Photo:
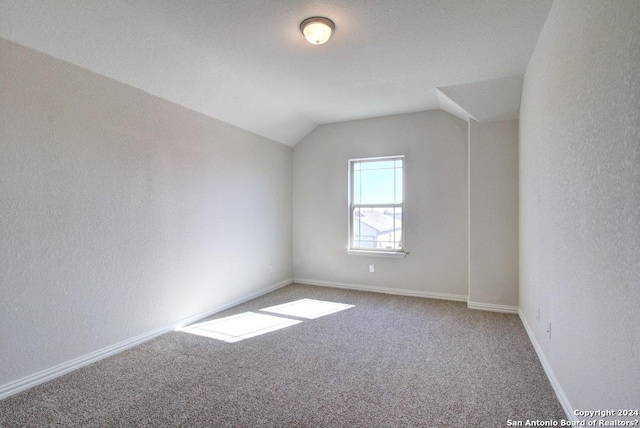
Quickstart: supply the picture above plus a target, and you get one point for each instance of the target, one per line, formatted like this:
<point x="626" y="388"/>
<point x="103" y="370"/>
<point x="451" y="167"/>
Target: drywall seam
<point x="64" y="368"/>
<point x="492" y="307"/>
<point x="374" y="289"/>
<point x="562" y="397"/>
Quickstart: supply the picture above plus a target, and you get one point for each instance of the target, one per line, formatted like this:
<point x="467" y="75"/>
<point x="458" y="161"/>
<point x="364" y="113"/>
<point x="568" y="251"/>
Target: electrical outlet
<point x="372" y="268"/>
<point x="538" y="313"/>
<point x="549" y="329"/>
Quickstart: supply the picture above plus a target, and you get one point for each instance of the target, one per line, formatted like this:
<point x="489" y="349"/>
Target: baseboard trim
<point x="562" y="397"/>
<point x="375" y="289"/>
<point x="30" y="381"/>
<point x="492" y="307"/>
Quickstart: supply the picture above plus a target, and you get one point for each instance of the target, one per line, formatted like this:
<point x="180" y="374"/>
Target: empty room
<point x="301" y="213"/>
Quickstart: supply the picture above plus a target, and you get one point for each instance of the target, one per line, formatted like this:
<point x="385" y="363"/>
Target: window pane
<point x="356" y="186"/>
<point x="381" y="164"/>
<point x="398" y="194"/>
<point x="377" y="182"/>
<point x="377" y="186"/>
<point x="377" y="228"/>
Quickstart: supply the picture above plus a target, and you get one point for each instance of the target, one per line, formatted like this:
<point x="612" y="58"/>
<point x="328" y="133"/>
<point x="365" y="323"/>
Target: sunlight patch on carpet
<point x="308" y="308"/>
<point x="238" y="327"/>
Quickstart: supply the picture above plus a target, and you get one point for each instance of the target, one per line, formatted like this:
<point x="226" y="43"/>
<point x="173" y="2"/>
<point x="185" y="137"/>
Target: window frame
<point x="351" y="206"/>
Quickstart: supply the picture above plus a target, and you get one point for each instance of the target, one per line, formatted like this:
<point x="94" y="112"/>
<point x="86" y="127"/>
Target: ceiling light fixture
<point x="317" y="29"/>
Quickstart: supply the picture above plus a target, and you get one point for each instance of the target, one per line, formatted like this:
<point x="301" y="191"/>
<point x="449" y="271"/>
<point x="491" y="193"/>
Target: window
<point x="376" y="201"/>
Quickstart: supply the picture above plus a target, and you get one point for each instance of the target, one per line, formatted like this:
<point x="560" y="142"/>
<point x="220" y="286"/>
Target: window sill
<point x="388" y="254"/>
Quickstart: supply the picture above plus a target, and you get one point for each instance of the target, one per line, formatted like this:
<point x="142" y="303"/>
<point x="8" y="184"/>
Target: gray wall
<point x="123" y="213"/>
<point x="580" y="200"/>
<point x="493" y="213"/>
<point x="435" y="146"/>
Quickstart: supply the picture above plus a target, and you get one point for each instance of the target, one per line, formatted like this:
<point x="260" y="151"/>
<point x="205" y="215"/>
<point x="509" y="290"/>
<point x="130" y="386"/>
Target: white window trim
<point x="396" y="254"/>
<point x="400" y="254"/>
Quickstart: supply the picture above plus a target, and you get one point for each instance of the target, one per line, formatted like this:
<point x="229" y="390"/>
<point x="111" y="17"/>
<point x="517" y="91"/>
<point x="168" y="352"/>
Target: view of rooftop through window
<point x="376" y="203"/>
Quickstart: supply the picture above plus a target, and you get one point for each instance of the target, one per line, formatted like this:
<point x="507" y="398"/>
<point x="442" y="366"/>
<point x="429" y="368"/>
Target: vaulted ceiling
<point x="245" y="62"/>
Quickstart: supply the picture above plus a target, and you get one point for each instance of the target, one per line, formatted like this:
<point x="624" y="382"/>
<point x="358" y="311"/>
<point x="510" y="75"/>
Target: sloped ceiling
<point x="245" y="62"/>
<point x="489" y="100"/>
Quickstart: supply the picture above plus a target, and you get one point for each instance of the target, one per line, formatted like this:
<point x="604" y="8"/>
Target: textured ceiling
<point x="496" y="99"/>
<point x="245" y="61"/>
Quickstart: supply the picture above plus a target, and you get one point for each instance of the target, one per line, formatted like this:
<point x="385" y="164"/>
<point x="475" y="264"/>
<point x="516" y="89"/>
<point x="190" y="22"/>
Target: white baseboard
<point x="372" y="288"/>
<point x="562" y="398"/>
<point x="492" y="307"/>
<point x="69" y="366"/>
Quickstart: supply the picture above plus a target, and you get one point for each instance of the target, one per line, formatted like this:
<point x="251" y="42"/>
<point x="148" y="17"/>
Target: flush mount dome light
<point x="317" y="29"/>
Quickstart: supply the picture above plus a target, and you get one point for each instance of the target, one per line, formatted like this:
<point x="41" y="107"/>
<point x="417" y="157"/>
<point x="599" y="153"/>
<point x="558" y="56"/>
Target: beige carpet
<point x="389" y="361"/>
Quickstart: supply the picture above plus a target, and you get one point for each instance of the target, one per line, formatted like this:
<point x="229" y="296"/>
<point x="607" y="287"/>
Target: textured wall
<point x="435" y="146"/>
<point x="122" y="213"/>
<point x="493" y="212"/>
<point x="580" y="200"/>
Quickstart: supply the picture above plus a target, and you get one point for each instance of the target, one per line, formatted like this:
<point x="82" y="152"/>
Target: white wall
<point x="580" y="200"/>
<point x="435" y="146"/>
<point x="122" y="213"/>
<point x="493" y="214"/>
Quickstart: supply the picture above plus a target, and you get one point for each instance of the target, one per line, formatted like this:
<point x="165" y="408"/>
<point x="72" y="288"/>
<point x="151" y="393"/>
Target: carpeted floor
<point x="390" y="361"/>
